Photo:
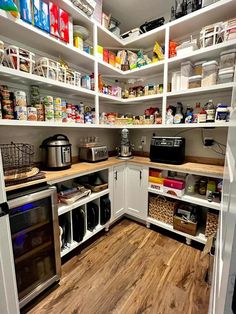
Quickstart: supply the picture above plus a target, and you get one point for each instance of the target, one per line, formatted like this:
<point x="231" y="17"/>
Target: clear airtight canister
<point x="209" y="73"/>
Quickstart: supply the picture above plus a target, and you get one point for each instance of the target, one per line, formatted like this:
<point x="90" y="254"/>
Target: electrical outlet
<point x="208" y="141"/>
<point x="144" y="140"/>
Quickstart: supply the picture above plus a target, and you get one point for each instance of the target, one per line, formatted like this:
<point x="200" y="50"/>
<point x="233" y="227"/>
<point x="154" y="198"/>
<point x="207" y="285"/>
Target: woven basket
<point x="211" y="224"/>
<point x="162" y="209"/>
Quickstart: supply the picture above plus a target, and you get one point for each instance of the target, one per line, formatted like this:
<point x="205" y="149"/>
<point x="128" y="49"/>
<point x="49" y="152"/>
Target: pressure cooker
<point x="56" y="152"/>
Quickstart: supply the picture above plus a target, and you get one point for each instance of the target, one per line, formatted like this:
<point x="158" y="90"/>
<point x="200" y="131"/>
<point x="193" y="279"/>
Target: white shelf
<point x="148" y="70"/>
<point x="202" y="54"/>
<point x="14" y="76"/>
<point x="87" y="236"/>
<point x="196" y="199"/>
<point x="200" y="237"/>
<point x="31" y="36"/>
<point x="113" y="99"/>
<point x="46" y="124"/>
<point x="63" y="208"/>
<point x="201" y="90"/>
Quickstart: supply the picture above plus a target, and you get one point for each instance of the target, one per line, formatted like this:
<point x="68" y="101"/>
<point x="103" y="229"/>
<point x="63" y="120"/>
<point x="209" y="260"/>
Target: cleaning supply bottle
<point x="202" y="116"/>
<point x="178" y="118"/>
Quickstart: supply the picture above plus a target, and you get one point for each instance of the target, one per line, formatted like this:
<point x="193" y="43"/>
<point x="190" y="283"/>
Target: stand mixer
<point x="125" y="149"/>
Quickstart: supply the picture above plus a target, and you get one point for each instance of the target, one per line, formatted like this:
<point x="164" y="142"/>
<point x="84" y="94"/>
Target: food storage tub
<point x="20" y="59"/>
<point x="209" y="73"/>
<point x="198" y="67"/>
<point x="194" y="81"/>
<point x="73" y="77"/>
<point x="186" y="72"/>
<point x="227" y="59"/>
<point x="186" y="48"/>
<point x="175" y="81"/>
<point x="225" y="76"/>
<point x="49" y="68"/>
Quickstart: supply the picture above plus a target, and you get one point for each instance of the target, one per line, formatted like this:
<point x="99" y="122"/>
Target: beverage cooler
<point x="35" y="240"/>
<point x="29" y="244"/>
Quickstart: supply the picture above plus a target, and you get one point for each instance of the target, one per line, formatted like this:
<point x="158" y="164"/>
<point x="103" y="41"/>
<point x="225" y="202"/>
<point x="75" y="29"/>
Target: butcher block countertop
<point x="81" y="168"/>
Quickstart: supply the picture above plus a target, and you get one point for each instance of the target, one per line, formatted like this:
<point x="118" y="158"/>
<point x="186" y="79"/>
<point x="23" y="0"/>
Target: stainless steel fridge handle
<point x="4" y="209"/>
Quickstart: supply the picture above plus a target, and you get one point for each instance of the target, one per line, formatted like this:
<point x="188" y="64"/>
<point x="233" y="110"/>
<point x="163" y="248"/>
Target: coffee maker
<point x="125" y="149"/>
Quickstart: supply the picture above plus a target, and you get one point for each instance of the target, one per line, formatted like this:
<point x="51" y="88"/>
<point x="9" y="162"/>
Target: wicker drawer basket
<point x="211" y="224"/>
<point x="162" y="209"/>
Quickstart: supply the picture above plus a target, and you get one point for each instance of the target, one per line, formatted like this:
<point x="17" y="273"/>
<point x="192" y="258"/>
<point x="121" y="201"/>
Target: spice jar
<point x="202" y="189"/>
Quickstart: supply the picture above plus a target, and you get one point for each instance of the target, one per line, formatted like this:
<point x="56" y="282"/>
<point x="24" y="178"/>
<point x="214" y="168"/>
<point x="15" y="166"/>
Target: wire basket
<point x="17" y="158"/>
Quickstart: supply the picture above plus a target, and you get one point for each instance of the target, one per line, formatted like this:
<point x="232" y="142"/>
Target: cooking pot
<point x="57" y="152"/>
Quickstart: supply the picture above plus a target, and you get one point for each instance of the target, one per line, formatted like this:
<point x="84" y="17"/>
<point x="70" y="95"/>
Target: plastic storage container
<point x="175" y="81"/>
<point x="49" y="68"/>
<point x="20" y="59"/>
<point x="194" y="81"/>
<point x="209" y="73"/>
<point x="227" y="59"/>
<point x="186" y="72"/>
<point x="198" y="67"/>
<point x="225" y="76"/>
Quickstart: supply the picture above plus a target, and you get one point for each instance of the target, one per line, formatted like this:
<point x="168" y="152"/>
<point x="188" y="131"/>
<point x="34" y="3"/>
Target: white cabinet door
<point x="137" y="191"/>
<point x="119" y="190"/>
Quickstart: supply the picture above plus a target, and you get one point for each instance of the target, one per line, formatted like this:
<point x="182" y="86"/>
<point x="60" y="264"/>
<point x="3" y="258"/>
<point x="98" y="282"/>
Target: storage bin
<point x="225" y="76"/>
<point x="49" y="68"/>
<point x="227" y="59"/>
<point x="211" y="35"/>
<point x="229" y="30"/>
<point x="20" y="59"/>
<point x="173" y="191"/>
<point x="162" y="209"/>
<point x="209" y="73"/>
<point x="186" y="48"/>
<point x="194" y="81"/>
<point x="211" y="224"/>
<point x="185" y="226"/>
<point x="175" y="81"/>
<point x="73" y="77"/>
<point x="186" y="72"/>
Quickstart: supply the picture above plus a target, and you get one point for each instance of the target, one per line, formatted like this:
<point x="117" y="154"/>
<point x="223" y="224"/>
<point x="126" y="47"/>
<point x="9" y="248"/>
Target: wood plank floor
<point x="129" y="270"/>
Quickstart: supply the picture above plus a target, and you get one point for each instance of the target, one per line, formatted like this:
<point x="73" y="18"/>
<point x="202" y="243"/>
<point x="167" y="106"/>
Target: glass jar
<point x="202" y="189"/>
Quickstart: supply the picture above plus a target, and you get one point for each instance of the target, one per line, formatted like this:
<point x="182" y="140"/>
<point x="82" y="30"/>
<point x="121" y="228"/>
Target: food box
<point x="36" y="10"/>
<point x="64" y="25"/>
<point x="156" y="186"/>
<point x="182" y="225"/>
<point x="112" y="58"/>
<point x="54" y="19"/>
<point x="105" y="55"/>
<point x="173" y="191"/>
<point x="25" y="11"/>
<point x="173" y="183"/>
<point x="44" y="16"/>
<point x="100" y="52"/>
<point x="156" y="180"/>
<point x="155" y="173"/>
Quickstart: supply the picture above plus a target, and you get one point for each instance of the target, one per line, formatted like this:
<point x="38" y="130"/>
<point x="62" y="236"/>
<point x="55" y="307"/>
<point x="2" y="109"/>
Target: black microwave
<point x="168" y="150"/>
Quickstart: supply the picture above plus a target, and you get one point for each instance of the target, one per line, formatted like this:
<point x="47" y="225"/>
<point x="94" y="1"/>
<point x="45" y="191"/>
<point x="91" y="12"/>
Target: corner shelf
<point x="200" y="237"/>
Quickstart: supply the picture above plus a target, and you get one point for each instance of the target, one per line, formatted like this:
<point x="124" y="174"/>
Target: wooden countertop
<point x="81" y="168"/>
<point x="188" y="167"/>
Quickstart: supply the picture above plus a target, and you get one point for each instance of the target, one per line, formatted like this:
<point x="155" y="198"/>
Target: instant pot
<point x="57" y="152"/>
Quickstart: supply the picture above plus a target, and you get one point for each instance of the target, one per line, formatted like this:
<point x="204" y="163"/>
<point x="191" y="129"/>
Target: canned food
<point x="40" y="112"/>
<point x="21" y="113"/>
<point x="48" y="101"/>
<point x="58" y="116"/>
<point x="49" y="113"/>
<point x="20" y="98"/>
<point x="7" y="110"/>
<point x="32" y="114"/>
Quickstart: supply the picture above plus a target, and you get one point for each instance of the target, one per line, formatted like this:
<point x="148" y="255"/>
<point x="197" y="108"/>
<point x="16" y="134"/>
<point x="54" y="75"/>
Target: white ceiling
<point x="133" y="13"/>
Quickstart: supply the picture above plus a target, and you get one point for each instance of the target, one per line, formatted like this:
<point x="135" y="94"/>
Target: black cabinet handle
<point x="140" y="175"/>
<point x="116" y="175"/>
<point x="4" y="209"/>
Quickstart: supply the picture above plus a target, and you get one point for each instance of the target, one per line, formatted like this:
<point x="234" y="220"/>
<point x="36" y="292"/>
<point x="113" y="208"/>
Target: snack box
<point x="173" y="191"/>
<point x="54" y="19"/>
<point x="37" y="15"/>
<point x="156" y="180"/>
<point x="155" y="173"/>
<point x="156" y="183"/>
<point x="173" y="183"/>
<point x="25" y="11"/>
<point x="64" y="25"/>
<point x="100" y="52"/>
<point x="44" y="16"/>
<point x="105" y="55"/>
<point x="112" y="58"/>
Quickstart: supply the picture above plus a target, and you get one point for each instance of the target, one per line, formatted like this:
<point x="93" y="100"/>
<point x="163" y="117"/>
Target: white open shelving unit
<point x="22" y="32"/>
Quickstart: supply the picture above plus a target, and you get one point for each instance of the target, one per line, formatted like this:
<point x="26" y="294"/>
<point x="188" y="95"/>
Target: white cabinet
<point x="119" y="190"/>
<point x="137" y="191"/>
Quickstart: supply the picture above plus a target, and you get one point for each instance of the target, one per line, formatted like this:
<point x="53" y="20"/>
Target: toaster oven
<point x="168" y="150"/>
<point x="93" y="154"/>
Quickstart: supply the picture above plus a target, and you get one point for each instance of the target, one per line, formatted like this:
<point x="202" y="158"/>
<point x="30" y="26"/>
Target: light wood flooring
<point x="131" y="269"/>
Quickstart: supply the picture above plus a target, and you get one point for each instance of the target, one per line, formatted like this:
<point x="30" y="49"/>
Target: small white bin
<point x="209" y="73"/>
<point x="20" y="59"/>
